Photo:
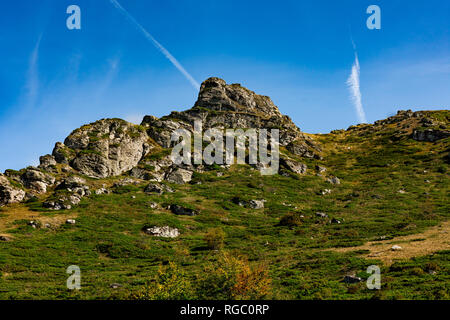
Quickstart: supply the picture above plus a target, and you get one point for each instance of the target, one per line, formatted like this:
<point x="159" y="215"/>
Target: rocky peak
<point x="216" y="95"/>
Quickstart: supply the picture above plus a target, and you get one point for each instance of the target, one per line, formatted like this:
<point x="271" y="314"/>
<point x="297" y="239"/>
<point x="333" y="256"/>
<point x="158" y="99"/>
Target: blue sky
<point x="52" y="80"/>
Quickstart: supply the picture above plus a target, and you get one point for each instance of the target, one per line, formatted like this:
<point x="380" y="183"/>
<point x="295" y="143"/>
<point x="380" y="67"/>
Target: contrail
<point x="163" y="50"/>
<point x="353" y="84"/>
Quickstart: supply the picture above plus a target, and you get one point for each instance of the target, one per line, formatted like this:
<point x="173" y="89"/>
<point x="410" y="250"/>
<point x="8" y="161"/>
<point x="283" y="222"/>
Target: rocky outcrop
<point x="105" y="148"/>
<point x="224" y="106"/>
<point x="430" y="135"/>
<point x="8" y="193"/>
<point x="36" y="180"/>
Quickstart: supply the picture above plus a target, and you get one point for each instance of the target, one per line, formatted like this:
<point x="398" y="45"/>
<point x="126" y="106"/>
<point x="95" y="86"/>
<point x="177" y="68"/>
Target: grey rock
<point x="102" y="191"/>
<point x="108" y="147"/>
<point x="352" y="279"/>
<point x="72" y="182"/>
<point x="5" y="238"/>
<point x="164" y="232"/>
<point x="70" y="221"/>
<point x="334" y="180"/>
<point x="153" y="205"/>
<point x="180" y="176"/>
<point x="179" y="210"/>
<point x="36" y="180"/>
<point x="321" y="215"/>
<point x="256" y="204"/>
<point x="46" y="162"/>
<point x="156" y="188"/>
<point x="8" y="193"/>
<point x="294" y="166"/>
<point x="430" y="135"/>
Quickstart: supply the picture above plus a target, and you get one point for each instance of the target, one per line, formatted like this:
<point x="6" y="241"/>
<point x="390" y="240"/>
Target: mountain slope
<point x="371" y="182"/>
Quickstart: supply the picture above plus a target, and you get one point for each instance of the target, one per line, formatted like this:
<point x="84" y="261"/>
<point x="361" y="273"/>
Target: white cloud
<point x="32" y="83"/>
<point x="355" y="90"/>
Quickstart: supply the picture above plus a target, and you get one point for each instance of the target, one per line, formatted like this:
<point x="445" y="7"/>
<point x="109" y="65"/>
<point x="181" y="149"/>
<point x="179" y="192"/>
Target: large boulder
<point x="180" y="176"/>
<point x="105" y="148"/>
<point x="8" y="193"/>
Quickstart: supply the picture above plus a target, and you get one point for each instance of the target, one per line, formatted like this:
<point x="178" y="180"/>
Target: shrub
<point x="232" y="278"/>
<point x="170" y="283"/>
<point x="290" y="220"/>
<point x="214" y="238"/>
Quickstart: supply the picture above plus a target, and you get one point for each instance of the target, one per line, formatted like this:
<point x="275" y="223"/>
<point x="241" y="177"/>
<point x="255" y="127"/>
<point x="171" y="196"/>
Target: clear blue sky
<point x="52" y="80"/>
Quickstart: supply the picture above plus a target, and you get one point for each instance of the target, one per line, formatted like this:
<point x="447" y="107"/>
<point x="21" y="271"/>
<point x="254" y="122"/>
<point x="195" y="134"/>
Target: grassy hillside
<point x="391" y="187"/>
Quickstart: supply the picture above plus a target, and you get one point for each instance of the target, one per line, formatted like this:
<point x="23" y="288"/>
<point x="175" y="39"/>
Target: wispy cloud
<point x="163" y="50"/>
<point x="355" y="90"/>
<point x="32" y="82"/>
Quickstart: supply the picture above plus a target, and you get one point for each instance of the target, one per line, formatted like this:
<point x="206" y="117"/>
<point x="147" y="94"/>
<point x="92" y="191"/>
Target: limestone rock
<point x="8" y="193"/>
<point x="36" y="180"/>
<point x="256" y="204"/>
<point x="164" y="232"/>
<point x="294" y="166"/>
<point x="180" y="176"/>
<point x="107" y="147"/>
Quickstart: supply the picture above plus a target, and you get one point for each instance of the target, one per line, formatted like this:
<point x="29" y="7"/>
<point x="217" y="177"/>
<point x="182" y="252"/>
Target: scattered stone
<point x="125" y="182"/>
<point x="179" y="210"/>
<point x="401" y="191"/>
<point x="256" y="204"/>
<point x="396" y="248"/>
<point x="335" y="221"/>
<point x="294" y="166"/>
<point x="352" y="279"/>
<point x="133" y="197"/>
<point x="102" y="191"/>
<point x="115" y="285"/>
<point x="70" y="221"/>
<point x="156" y="188"/>
<point x="321" y="215"/>
<point x="165" y="232"/>
<point x="321" y="169"/>
<point x="334" y="180"/>
<point x="153" y="205"/>
<point x="325" y="191"/>
<point x="220" y="174"/>
<point x="33" y="224"/>
<point x="5" y="238"/>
